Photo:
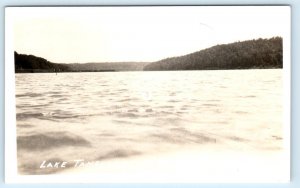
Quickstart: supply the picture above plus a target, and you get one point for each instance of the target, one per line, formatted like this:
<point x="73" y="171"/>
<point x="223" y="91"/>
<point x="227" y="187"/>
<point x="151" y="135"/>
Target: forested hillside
<point x="29" y="63"/>
<point x="260" y="53"/>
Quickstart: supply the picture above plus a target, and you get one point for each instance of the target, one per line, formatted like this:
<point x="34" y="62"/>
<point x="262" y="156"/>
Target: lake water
<point x="111" y="116"/>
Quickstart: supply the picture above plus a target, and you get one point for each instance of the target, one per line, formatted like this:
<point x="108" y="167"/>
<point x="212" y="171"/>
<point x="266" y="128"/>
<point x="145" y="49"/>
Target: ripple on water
<point x="166" y="106"/>
<point x="129" y="115"/>
<point x="133" y="110"/>
<point x="149" y="110"/>
<point x="118" y="153"/>
<point x="210" y="105"/>
<point x="50" y="140"/>
<point x="183" y="138"/>
<point x="248" y="96"/>
<point x="25" y="125"/>
<point x="29" y="94"/>
<point x="22" y="116"/>
<point x="57" y="96"/>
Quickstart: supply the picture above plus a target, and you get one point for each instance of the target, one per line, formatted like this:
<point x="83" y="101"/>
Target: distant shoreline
<point x="48" y="71"/>
<point x="250" y="54"/>
<point x="28" y="72"/>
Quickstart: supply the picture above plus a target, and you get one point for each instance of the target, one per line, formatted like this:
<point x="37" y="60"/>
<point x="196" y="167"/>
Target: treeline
<point x="260" y="53"/>
<point x="114" y="66"/>
<point x="32" y="64"/>
<point x="29" y="63"/>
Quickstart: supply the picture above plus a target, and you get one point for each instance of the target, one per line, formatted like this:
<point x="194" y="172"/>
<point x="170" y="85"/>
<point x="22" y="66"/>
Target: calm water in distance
<point x="111" y="115"/>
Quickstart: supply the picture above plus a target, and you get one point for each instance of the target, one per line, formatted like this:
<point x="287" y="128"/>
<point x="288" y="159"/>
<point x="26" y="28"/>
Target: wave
<point x="55" y="115"/>
<point x="22" y="116"/>
<point x="29" y="94"/>
<point x="25" y="125"/>
<point x="118" y="154"/>
<point x="50" y="140"/>
<point x="184" y="138"/>
<point x="129" y="115"/>
<point x="57" y="95"/>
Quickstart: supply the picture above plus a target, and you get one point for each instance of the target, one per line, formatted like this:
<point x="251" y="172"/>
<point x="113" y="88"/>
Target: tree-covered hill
<point x="30" y="63"/>
<point x="260" y="53"/>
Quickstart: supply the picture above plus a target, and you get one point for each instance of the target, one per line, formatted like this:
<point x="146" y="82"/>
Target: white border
<point x="287" y="94"/>
<point x="10" y="103"/>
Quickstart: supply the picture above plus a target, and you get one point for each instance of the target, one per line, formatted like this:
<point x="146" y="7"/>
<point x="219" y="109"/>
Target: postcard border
<point x="293" y="76"/>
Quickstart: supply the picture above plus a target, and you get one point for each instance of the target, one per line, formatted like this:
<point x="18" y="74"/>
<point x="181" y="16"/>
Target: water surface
<point x="121" y="115"/>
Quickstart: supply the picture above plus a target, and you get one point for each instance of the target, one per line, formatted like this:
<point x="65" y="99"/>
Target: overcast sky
<point x="111" y="34"/>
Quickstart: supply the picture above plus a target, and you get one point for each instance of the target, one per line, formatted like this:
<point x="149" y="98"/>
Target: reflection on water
<point x="111" y="115"/>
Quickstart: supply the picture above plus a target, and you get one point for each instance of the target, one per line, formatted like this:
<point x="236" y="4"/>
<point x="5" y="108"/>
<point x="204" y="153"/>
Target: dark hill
<point x="29" y="63"/>
<point x="260" y="53"/>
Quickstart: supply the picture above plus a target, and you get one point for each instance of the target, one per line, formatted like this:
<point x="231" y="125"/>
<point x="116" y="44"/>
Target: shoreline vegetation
<point x="250" y="54"/>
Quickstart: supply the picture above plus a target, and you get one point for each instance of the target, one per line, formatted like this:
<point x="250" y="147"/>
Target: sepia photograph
<point x="142" y="94"/>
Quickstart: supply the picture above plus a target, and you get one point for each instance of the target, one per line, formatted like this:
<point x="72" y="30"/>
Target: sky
<point x="116" y="34"/>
